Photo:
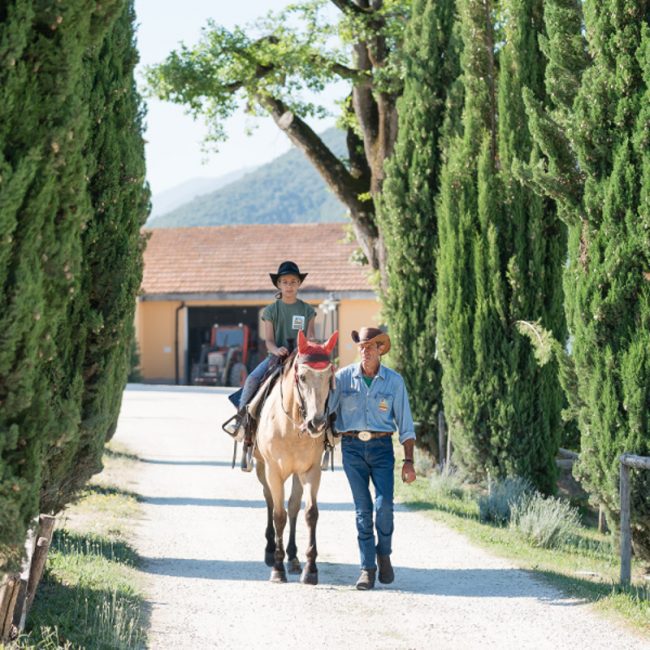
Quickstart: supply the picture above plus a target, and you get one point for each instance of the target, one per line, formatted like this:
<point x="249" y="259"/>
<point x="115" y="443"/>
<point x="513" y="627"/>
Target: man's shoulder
<point x="391" y="374"/>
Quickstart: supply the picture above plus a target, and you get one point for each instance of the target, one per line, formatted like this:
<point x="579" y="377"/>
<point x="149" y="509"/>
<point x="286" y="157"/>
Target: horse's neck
<point x="287" y="396"/>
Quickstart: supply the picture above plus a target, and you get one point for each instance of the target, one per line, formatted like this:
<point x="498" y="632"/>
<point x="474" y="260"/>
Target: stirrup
<point x="235" y="427"/>
<point x="247" y="457"/>
<point x="325" y="460"/>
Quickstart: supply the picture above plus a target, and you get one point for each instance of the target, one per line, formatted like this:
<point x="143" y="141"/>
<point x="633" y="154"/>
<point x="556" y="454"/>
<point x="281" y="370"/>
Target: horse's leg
<point x="276" y="486"/>
<point x="311" y="481"/>
<point x="294" y="509"/>
<point x="270" y="532"/>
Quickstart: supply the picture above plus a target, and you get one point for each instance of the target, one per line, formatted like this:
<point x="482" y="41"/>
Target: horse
<point x="290" y="442"/>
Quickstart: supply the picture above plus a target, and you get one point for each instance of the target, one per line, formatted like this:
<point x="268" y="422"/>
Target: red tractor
<point x="222" y="362"/>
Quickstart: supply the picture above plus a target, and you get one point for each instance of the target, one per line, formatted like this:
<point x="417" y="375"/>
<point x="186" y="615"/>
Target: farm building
<point x="195" y="278"/>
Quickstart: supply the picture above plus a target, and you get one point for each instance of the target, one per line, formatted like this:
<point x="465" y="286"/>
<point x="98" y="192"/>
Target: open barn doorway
<point x="201" y="320"/>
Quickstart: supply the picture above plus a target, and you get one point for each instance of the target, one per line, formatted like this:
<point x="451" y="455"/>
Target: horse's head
<point x="314" y="373"/>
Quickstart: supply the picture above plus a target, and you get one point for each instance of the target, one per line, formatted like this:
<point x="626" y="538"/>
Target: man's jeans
<point x="364" y="461"/>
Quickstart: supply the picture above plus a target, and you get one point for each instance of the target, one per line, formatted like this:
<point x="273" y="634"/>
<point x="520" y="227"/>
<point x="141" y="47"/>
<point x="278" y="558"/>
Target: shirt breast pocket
<point x="384" y="404"/>
<point x="350" y="402"/>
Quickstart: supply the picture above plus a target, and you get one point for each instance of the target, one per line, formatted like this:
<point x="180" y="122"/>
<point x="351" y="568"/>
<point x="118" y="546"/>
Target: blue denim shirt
<point x="384" y="406"/>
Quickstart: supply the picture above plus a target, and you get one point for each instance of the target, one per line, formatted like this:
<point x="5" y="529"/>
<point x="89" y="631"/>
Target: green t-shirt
<point x="288" y="320"/>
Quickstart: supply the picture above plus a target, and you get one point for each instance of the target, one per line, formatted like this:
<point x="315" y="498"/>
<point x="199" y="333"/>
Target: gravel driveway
<point x="203" y="545"/>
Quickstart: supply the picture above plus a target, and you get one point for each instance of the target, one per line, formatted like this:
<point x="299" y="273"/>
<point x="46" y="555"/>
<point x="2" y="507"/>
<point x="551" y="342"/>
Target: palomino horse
<point x="290" y="442"/>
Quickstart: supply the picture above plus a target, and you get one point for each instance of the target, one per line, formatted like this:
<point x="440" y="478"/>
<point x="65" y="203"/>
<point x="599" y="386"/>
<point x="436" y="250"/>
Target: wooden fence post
<point x="442" y="440"/>
<point x="626" y="537"/>
<point x="627" y="461"/>
<point x="41" y="548"/>
<point x="8" y="596"/>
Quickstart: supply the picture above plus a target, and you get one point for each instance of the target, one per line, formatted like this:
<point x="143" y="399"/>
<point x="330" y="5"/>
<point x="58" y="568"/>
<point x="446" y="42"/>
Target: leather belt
<point x="364" y="436"/>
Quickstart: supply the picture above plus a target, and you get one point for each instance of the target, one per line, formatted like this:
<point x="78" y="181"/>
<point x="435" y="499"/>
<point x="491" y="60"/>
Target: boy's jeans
<point x="364" y="461"/>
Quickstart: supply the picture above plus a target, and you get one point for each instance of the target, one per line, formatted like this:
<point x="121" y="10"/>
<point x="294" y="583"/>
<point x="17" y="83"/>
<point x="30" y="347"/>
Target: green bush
<point x="447" y="483"/>
<point x="544" y="522"/>
<point x="496" y="506"/>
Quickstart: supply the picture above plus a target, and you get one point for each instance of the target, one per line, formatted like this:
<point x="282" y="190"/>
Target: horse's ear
<point x="331" y="342"/>
<point x="302" y="342"/>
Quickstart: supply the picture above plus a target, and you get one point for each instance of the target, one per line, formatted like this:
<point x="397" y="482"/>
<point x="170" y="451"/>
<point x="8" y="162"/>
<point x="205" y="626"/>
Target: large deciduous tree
<point x="595" y="134"/>
<point x="501" y="252"/>
<point x="268" y="66"/>
<point x="407" y="215"/>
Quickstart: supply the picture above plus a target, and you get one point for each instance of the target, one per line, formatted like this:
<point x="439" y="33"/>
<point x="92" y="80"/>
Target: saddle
<point x="254" y="409"/>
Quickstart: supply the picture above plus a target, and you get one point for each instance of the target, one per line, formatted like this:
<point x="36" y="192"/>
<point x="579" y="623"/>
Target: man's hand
<point x="280" y="352"/>
<point x="408" y="473"/>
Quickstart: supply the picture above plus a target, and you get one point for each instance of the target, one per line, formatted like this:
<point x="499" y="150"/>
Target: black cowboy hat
<point x="368" y="335"/>
<point x="287" y="268"/>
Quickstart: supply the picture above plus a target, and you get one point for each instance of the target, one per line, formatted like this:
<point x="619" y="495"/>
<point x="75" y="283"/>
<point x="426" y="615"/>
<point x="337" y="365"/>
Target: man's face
<point x="369" y="354"/>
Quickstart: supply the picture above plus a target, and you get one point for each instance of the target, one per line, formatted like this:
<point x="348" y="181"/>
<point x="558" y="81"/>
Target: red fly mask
<point x="314" y="375"/>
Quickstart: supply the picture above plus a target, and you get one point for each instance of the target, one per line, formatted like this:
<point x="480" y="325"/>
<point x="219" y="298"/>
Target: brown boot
<point x="386" y="573"/>
<point x="366" y="579"/>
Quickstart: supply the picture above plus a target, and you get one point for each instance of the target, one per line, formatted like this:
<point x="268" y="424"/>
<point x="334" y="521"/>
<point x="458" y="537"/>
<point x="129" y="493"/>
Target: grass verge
<point x="91" y="594"/>
<point x="586" y="567"/>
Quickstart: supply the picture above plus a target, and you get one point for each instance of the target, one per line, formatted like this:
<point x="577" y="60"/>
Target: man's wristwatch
<point x="408" y="460"/>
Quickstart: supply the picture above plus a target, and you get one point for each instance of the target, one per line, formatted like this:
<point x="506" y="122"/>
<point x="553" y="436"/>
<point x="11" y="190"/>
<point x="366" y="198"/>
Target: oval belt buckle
<point x="364" y="436"/>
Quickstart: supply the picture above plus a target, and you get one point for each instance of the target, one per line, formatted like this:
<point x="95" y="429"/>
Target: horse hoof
<point x="294" y="566"/>
<point x="309" y="577"/>
<point x="278" y="575"/>
<point x="269" y="558"/>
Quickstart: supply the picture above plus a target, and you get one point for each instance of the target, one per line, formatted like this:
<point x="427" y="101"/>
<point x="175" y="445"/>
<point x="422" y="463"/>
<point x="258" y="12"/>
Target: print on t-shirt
<point x="298" y="322"/>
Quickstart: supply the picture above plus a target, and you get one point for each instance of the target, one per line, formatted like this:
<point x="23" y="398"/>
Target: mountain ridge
<point x="286" y="190"/>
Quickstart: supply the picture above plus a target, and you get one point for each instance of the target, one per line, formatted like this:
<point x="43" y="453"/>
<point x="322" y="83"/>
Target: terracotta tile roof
<point x="234" y="259"/>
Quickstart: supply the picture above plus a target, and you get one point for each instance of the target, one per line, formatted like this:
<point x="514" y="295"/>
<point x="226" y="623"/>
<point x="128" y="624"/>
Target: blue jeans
<point x="253" y="382"/>
<point x="364" y="461"/>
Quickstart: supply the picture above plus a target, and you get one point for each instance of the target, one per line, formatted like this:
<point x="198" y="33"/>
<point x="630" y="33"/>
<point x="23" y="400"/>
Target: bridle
<point x="306" y="359"/>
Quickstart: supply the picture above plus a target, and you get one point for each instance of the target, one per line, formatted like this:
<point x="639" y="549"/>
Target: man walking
<point x="370" y="403"/>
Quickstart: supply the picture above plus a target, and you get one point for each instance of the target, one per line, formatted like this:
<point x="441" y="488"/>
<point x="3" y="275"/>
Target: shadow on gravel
<point x="203" y="463"/>
<point x="461" y="583"/>
<point x="232" y="503"/>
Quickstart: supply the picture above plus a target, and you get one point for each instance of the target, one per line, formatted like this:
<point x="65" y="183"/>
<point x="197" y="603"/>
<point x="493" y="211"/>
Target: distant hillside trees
<point x="72" y="199"/>
<point x="595" y="135"/>
<point x="285" y="190"/>
<point x="267" y="67"/>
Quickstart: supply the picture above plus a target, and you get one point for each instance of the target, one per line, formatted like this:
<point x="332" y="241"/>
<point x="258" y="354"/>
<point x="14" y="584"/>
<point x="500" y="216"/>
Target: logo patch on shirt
<point x="298" y="322"/>
<point x="383" y="406"/>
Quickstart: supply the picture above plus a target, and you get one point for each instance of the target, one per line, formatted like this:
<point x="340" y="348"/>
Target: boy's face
<point x="288" y="285"/>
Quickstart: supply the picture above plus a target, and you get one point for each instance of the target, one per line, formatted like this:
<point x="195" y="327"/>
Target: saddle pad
<point x="255" y="405"/>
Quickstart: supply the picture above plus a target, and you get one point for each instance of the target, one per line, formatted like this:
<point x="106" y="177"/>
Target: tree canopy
<point x="270" y="67"/>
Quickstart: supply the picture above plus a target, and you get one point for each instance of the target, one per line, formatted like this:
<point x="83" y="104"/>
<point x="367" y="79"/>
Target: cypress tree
<point x="48" y="351"/>
<point x="596" y="138"/>
<point x="42" y="201"/>
<point x="500" y="259"/>
<point x="112" y="256"/>
<point x="407" y="209"/>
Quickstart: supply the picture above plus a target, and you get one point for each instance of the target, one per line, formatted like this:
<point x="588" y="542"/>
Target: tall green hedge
<point x="500" y="259"/>
<point x="407" y="209"/>
<point x="47" y="207"/>
<point x="595" y="134"/>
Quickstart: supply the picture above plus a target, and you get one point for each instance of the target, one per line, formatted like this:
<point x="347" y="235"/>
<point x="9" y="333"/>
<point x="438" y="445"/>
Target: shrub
<point x="545" y="522"/>
<point x="502" y="496"/>
<point x="447" y="483"/>
<point x="424" y="464"/>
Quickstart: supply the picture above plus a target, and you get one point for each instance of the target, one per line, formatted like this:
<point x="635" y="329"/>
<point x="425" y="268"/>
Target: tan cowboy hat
<point x="372" y="335"/>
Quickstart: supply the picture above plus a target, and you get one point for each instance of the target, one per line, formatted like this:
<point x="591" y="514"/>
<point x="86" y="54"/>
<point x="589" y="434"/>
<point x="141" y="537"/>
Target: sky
<point x="173" y="150"/>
